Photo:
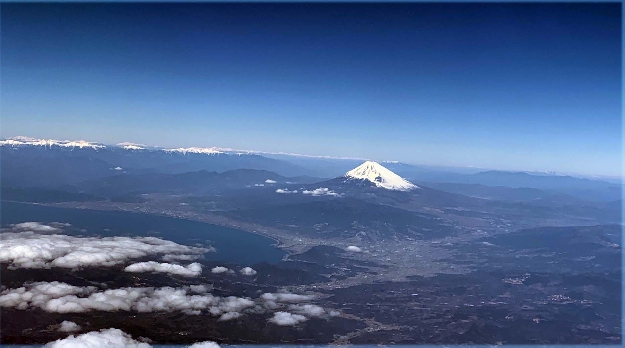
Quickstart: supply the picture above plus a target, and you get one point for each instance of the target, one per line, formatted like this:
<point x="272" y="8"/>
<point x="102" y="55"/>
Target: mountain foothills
<point x="369" y="252"/>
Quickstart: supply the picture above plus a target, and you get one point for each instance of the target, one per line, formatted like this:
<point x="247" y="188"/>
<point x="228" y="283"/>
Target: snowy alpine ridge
<point x="27" y="141"/>
<point x="380" y="176"/>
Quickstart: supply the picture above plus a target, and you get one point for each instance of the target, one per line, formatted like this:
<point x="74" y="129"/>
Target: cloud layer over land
<point x="28" y="249"/>
<point x="59" y="297"/>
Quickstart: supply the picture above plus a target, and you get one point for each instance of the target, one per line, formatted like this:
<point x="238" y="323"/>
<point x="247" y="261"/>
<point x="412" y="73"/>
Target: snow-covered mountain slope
<point x="27" y="141"/>
<point x="379" y="176"/>
<point x="21" y="141"/>
<point x="198" y="150"/>
<point x="131" y="146"/>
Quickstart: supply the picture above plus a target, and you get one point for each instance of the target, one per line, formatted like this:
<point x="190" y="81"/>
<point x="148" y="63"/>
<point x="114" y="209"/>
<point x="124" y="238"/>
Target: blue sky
<point x="503" y="86"/>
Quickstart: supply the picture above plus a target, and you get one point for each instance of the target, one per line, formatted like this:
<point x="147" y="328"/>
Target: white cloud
<point x="206" y="344"/>
<point x="234" y="304"/>
<point x="353" y="248"/>
<point x="270" y="304"/>
<point x="69" y="326"/>
<point x="285" y="191"/>
<point x="308" y="310"/>
<point x="110" y="338"/>
<point x="180" y="257"/>
<point x="192" y="270"/>
<point x="322" y="191"/>
<point x="219" y="269"/>
<point x="285" y="297"/>
<point x="58" y="297"/>
<point x="35" y="250"/>
<point x="38" y="294"/>
<point x="269" y="181"/>
<point x="287" y="319"/>
<point x="259" y="185"/>
<point x="33" y="226"/>
<point x="248" y="271"/>
<point x="118" y="168"/>
<point x="229" y="316"/>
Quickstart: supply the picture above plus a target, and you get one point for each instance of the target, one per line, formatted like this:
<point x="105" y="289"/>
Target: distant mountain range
<point x="29" y="162"/>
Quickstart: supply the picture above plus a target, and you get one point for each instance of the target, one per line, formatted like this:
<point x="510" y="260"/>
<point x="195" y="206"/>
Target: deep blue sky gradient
<point x="503" y="86"/>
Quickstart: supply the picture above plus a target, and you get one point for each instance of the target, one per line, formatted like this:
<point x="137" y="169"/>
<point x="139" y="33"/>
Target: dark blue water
<point x="233" y="246"/>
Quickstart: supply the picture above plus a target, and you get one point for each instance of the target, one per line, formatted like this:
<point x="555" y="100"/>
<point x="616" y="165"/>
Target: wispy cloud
<point x="286" y="297"/>
<point x="322" y="191"/>
<point x="308" y="310"/>
<point x="285" y="191"/>
<point x="287" y="319"/>
<point x="229" y="316"/>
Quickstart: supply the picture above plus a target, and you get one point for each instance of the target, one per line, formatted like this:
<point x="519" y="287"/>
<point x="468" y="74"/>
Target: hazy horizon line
<point x="329" y="157"/>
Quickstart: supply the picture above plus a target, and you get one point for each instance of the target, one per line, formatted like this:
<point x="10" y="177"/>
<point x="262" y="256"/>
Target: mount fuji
<point x="369" y="181"/>
<point x="376" y="174"/>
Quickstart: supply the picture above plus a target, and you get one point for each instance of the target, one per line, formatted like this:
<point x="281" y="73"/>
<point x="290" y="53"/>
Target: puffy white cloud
<point x="35" y="250"/>
<point x="33" y="226"/>
<point x="219" y="269"/>
<point x="234" y="304"/>
<point x="206" y="344"/>
<point x="248" y="271"/>
<point x="285" y="297"/>
<point x="229" y="316"/>
<point x="259" y="185"/>
<point x="69" y="326"/>
<point x="287" y="319"/>
<point x="308" y="310"/>
<point x="63" y="298"/>
<point x="269" y="181"/>
<point x="110" y="338"/>
<point x="353" y="248"/>
<point x="322" y="191"/>
<point x="118" y="168"/>
<point x="38" y="294"/>
<point x="192" y="270"/>
<point x="285" y="191"/>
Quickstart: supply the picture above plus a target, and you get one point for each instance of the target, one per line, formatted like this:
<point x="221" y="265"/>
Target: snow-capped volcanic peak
<point x="380" y="176"/>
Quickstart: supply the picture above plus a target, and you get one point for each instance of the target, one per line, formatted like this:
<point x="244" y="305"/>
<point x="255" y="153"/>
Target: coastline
<point x="221" y="221"/>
